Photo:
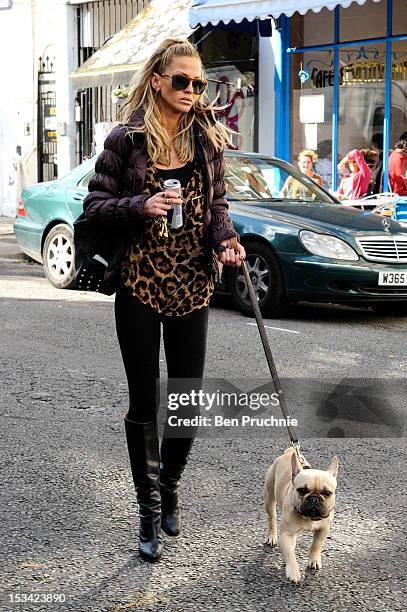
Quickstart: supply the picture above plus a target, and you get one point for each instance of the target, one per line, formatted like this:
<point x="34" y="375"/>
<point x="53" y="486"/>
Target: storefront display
<point x="353" y="85"/>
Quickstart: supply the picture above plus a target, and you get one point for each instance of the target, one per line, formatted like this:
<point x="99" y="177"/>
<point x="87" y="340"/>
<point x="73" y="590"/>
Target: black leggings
<point x="139" y="331"/>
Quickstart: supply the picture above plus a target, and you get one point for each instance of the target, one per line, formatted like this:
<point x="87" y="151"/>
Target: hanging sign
<point x="312" y="109"/>
<point x="50" y="123"/>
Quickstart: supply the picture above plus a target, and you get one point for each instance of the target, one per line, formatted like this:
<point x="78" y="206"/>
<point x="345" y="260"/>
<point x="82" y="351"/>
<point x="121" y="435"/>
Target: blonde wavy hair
<point x="143" y="96"/>
<point x="308" y="153"/>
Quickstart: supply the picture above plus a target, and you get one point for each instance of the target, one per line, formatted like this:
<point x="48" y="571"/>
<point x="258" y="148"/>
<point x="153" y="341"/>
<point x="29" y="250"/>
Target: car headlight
<point x="327" y="246"/>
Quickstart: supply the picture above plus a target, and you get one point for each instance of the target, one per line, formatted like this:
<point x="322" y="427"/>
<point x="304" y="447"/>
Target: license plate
<point x="393" y="278"/>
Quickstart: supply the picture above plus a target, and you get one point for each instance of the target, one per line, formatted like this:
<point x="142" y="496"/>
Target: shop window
<point x="227" y="43"/>
<point x="398" y="117"/>
<point x="399" y="17"/>
<point x="230" y="58"/>
<point x="312" y="28"/>
<point x="366" y="21"/>
<point x="361" y="101"/>
<point x="312" y="78"/>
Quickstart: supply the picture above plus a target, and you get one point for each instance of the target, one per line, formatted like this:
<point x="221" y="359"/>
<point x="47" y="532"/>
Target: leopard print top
<point x="168" y="273"/>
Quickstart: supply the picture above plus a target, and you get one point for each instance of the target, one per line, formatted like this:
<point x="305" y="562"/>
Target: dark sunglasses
<point x="180" y="82"/>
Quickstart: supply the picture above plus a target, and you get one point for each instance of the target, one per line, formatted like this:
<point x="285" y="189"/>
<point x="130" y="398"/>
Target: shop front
<point x="338" y="73"/>
<point x="230" y="58"/>
<point x="345" y="82"/>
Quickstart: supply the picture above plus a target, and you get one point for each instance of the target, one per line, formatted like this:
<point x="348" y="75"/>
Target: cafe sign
<point x="355" y="73"/>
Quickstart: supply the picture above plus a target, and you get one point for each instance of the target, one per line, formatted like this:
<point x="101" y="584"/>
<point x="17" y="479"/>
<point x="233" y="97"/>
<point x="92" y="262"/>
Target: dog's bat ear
<point x="295" y="468"/>
<point x="333" y="468"/>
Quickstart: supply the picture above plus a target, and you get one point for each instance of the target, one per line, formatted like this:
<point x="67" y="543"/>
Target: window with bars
<point x="98" y="21"/>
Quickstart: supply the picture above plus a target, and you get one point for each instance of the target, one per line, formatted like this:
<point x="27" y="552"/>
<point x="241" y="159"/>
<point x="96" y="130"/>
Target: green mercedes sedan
<point x="301" y="244"/>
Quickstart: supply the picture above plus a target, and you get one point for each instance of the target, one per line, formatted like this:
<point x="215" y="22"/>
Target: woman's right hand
<point x="160" y="203"/>
<point x="342" y="164"/>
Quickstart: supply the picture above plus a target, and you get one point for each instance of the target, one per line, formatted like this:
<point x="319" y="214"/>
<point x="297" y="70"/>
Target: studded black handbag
<point x="91" y="274"/>
<point x="95" y="249"/>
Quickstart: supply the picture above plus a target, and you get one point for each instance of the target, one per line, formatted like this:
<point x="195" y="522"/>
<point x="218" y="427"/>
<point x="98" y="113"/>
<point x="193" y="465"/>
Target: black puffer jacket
<point x="115" y="198"/>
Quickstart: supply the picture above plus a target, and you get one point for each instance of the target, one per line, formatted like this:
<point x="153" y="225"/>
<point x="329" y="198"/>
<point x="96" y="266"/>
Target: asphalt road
<point x="68" y="517"/>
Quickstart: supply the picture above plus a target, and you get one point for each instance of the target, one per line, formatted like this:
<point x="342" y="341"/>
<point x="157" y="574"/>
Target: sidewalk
<point x="6" y="225"/>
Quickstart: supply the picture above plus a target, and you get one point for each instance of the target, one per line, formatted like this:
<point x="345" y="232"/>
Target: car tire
<point x="59" y="257"/>
<point x="267" y="279"/>
<point x="395" y="309"/>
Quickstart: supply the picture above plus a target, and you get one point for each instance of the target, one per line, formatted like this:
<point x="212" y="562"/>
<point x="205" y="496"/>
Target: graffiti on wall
<point x="237" y="102"/>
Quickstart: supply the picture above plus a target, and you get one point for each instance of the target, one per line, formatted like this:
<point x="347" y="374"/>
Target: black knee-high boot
<point x="174" y="454"/>
<point x="142" y="443"/>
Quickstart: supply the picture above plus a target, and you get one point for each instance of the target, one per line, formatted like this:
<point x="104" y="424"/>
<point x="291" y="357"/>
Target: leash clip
<point x="302" y="461"/>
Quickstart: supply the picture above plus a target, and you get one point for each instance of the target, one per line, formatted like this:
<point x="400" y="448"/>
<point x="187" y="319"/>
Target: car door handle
<point x="78" y="196"/>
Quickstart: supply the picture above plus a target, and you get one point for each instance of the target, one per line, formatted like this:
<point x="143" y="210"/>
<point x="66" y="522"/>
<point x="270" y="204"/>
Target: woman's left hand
<point x="229" y="256"/>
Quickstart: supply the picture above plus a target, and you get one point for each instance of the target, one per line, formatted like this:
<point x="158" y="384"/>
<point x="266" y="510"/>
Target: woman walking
<point x="165" y="275"/>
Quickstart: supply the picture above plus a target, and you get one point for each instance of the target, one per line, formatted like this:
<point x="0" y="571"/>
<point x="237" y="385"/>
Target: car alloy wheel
<point x="259" y="273"/>
<point x="58" y="256"/>
<point x="268" y="283"/>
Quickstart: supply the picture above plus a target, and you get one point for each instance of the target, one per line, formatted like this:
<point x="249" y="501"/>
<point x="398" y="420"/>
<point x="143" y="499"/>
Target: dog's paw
<point x="271" y="539"/>
<point x="315" y="563"/>
<point x="293" y="574"/>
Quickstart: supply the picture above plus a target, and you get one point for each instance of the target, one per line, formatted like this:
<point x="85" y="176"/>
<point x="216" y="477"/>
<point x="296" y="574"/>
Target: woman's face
<point x="353" y="167"/>
<point x="305" y="164"/>
<point x="171" y="99"/>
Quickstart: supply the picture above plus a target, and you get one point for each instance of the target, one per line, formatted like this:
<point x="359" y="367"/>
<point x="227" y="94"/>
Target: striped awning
<point x="203" y="12"/>
<point x="124" y="55"/>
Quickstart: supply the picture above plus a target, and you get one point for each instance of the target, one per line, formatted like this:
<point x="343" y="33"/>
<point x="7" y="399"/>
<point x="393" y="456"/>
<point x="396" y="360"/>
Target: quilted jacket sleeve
<point x="104" y="203"/>
<point x="221" y="225"/>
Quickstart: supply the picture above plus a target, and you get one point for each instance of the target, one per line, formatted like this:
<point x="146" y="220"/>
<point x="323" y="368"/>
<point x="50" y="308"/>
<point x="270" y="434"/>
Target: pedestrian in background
<point x="293" y="188"/>
<point x="356" y="184"/>
<point x="376" y="171"/>
<point x="169" y="131"/>
<point x="371" y="157"/>
<point x="398" y="167"/>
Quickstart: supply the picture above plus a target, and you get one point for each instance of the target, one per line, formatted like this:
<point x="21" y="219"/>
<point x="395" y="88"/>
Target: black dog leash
<point x="272" y="367"/>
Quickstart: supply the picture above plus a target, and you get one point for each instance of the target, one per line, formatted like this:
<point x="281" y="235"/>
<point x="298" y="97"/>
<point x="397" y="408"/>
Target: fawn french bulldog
<point x="306" y="498"/>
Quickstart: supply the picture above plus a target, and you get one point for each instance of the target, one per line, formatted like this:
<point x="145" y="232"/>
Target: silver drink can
<point x="174" y="215"/>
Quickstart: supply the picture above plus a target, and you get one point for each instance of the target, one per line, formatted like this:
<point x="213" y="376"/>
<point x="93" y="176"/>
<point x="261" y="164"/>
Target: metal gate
<point x="47" y="119"/>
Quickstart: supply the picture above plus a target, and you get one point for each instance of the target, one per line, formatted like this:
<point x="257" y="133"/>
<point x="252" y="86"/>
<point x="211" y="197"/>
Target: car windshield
<point x="257" y="179"/>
